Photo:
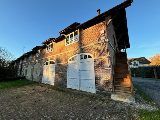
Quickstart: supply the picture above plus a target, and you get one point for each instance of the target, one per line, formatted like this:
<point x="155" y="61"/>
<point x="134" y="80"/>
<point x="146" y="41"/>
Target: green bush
<point x="7" y="73"/>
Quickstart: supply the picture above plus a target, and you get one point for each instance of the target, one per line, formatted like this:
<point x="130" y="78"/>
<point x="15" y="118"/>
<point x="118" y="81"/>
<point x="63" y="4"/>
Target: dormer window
<point x="67" y="40"/>
<point x="76" y="36"/>
<point x="72" y="37"/>
<point x="49" y="47"/>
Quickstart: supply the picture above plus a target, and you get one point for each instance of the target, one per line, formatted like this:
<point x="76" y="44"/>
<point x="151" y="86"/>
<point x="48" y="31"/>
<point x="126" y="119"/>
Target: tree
<point x="7" y="70"/>
<point x="155" y="60"/>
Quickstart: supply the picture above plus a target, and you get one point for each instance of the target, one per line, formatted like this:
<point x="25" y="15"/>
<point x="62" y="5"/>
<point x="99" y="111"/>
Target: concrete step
<point x="125" y="97"/>
<point x="123" y="91"/>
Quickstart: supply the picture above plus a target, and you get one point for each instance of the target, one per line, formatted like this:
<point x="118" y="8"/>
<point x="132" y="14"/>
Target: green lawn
<point x="143" y="95"/>
<point x="144" y="114"/>
<point x="14" y="83"/>
<point x="149" y="115"/>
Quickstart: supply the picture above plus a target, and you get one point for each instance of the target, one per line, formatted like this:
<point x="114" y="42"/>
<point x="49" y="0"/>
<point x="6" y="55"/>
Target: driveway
<point x="150" y="86"/>
<point x="42" y="102"/>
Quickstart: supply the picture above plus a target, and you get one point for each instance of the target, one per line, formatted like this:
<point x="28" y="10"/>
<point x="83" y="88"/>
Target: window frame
<point x="71" y="41"/>
<point x="49" y="47"/>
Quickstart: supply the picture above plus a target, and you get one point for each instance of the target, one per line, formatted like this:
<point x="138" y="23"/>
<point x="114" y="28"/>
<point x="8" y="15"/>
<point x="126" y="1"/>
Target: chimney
<point x="98" y="11"/>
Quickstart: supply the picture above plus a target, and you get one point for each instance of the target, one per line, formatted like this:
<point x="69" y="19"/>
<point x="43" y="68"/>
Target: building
<point x="138" y="62"/>
<point x="89" y="56"/>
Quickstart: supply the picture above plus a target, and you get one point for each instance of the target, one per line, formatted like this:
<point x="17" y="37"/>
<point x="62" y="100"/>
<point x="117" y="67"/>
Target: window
<point x="81" y="56"/>
<point x="37" y="54"/>
<point x="135" y="64"/>
<point x="52" y="62"/>
<point x="49" y="47"/>
<point x="76" y="35"/>
<point x="47" y="63"/>
<point x="89" y="56"/>
<point x="85" y="56"/>
<point x="67" y="40"/>
<point x="72" y="37"/>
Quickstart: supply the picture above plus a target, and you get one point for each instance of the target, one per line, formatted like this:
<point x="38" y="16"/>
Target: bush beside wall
<point x="7" y="73"/>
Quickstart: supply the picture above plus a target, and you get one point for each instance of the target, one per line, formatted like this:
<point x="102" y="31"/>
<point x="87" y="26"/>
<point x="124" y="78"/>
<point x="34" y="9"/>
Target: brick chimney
<point x="98" y="11"/>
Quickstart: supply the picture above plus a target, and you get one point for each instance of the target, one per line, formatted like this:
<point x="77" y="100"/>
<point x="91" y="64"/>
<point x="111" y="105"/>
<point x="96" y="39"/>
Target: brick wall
<point x="93" y="40"/>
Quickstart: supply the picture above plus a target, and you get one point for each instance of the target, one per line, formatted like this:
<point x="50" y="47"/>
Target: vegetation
<point x="7" y="70"/>
<point x="143" y="95"/>
<point x="146" y="72"/>
<point x="14" y="83"/>
<point x="155" y="60"/>
<point x="145" y="114"/>
<point x="149" y="115"/>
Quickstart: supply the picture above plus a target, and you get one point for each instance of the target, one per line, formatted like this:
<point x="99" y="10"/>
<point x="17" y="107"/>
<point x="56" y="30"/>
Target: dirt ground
<point x="40" y="102"/>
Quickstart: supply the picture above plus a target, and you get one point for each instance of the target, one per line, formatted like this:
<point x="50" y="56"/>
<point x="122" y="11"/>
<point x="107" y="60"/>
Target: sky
<point x="25" y="24"/>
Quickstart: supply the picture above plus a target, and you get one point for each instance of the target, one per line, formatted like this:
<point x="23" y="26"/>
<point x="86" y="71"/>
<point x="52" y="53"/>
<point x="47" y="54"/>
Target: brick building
<point x="89" y="56"/>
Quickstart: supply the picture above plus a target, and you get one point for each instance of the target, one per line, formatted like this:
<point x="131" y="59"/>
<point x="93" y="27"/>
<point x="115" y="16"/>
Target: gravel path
<point x="38" y="102"/>
<point x="150" y="86"/>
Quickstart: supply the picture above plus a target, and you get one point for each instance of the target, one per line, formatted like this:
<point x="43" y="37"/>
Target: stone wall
<point x="32" y="67"/>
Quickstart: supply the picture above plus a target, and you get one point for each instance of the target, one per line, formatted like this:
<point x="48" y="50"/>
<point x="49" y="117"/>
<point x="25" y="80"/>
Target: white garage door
<point x="73" y="73"/>
<point x="80" y="73"/>
<point x="48" y="72"/>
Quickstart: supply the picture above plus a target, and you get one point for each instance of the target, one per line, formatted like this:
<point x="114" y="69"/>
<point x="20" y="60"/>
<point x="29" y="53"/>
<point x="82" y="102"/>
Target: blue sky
<point x="27" y="23"/>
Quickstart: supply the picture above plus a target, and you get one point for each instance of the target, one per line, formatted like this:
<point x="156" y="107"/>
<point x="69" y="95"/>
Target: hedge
<point x="146" y="72"/>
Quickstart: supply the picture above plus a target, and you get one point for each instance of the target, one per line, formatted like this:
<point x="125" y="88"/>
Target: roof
<point x="33" y="51"/>
<point x="70" y="28"/>
<point x="118" y="15"/>
<point x="61" y="37"/>
<point x="38" y="48"/>
<point x="49" y="40"/>
<point x="141" y="60"/>
<point x="102" y="16"/>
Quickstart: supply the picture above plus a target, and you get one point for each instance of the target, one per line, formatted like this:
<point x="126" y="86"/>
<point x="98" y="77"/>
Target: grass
<point x="14" y="83"/>
<point x="149" y="115"/>
<point x="143" y="95"/>
<point x="145" y="114"/>
<point x="158" y="79"/>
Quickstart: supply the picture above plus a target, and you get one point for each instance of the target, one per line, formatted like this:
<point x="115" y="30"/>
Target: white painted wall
<point x="136" y="64"/>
